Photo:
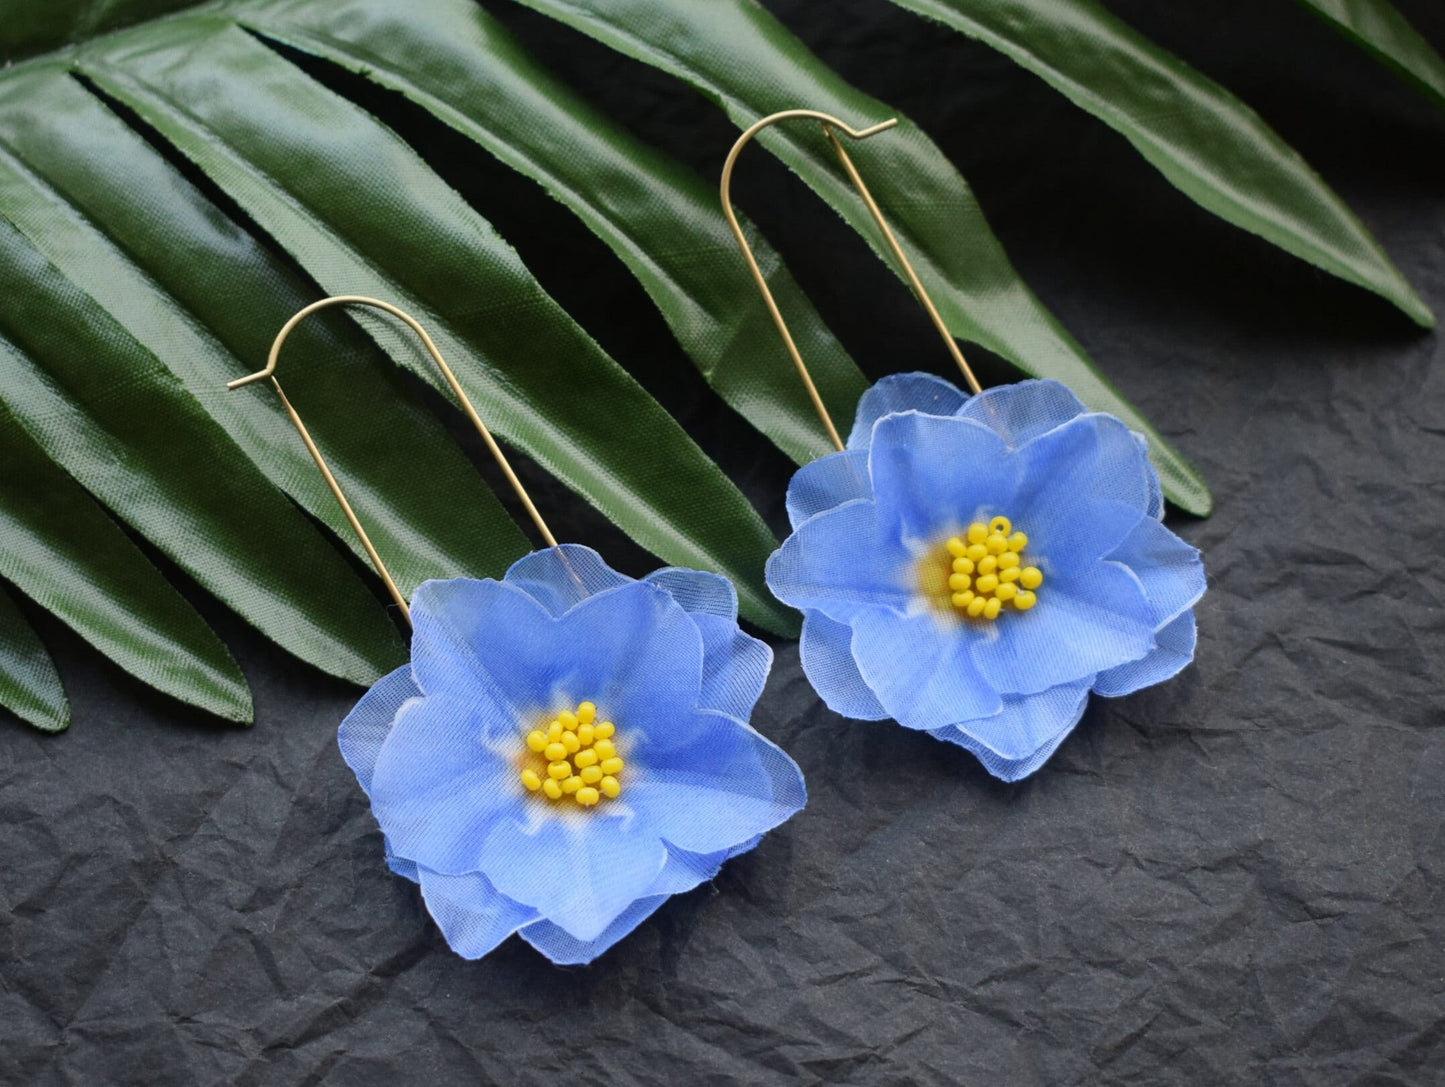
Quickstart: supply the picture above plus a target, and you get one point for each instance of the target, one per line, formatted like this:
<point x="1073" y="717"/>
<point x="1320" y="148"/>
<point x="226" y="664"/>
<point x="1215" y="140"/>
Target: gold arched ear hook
<point x="832" y="126"/>
<point x="451" y="379"/>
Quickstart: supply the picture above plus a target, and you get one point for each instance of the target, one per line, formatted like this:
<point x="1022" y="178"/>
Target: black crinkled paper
<point x="1237" y="877"/>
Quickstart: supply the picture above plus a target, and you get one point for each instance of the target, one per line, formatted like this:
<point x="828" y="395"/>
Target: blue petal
<point x="1028" y="723"/>
<point x="473" y="917"/>
<point x="632" y="650"/>
<point x="1175" y="650"/>
<point x="1171" y="571"/>
<point x="827" y="482"/>
<point x="439" y="785"/>
<point x="684" y="871"/>
<point x="999" y="767"/>
<point x="559" y="577"/>
<point x="368" y="724"/>
<point x="1085" y="488"/>
<point x="400" y="865"/>
<point x="841" y="562"/>
<point x="1156" y="489"/>
<point x="735" y="666"/>
<point x="933" y="475"/>
<point x="577" y="869"/>
<point x="711" y="784"/>
<point x="1020" y="412"/>
<point x="827" y="654"/>
<point x="903" y="392"/>
<point x="921" y="668"/>
<point x="1085" y="622"/>
<point x="564" y="949"/>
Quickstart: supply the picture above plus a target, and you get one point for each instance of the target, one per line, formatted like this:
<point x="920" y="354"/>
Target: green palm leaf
<point x="1378" y="28"/>
<point x="1209" y="144"/>
<point x="29" y="685"/>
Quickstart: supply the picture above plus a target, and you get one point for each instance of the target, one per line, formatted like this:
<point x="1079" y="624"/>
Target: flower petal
<point x="1028" y="723"/>
<point x="827" y="655"/>
<point x="439" y="785"/>
<point x="473" y="917"/>
<point x="564" y="949"/>
<point x="1085" y="622"/>
<point x="1175" y="649"/>
<point x="369" y="723"/>
<point x="921" y="668"/>
<point x="903" y="392"/>
<point x="932" y="475"/>
<point x="631" y="649"/>
<point x="1085" y="486"/>
<point x="1020" y="412"/>
<point x="827" y="482"/>
<point x="559" y="577"/>
<point x="1171" y="571"/>
<point x="1000" y="767"/>
<point x="839" y="563"/>
<point x="1155" y="508"/>
<point x="578" y="869"/>
<point x="712" y="785"/>
<point x="735" y="666"/>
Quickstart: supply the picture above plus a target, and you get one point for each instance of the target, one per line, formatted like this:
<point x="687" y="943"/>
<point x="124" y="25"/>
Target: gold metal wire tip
<point x="311" y="447"/>
<point x="831" y="126"/>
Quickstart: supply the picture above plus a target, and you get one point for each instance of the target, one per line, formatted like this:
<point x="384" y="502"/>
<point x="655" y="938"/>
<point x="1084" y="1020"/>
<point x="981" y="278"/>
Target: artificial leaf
<point x="29" y="685"/>
<point x="1204" y="140"/>
<point x="1379" y="28"/>
<point x="745" y="60"/>
<point x="64" y="552"/>
<point x="363" y="214"/>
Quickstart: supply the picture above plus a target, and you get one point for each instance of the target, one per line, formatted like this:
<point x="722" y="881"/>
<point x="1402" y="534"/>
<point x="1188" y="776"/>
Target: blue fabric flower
<point x="886" y="635"/>
<point x="443" y="745"/>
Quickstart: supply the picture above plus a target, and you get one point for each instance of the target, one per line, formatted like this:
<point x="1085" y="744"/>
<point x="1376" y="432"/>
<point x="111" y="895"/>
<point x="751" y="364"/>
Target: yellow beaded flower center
<point x="573" y="757"/>
<point x="988" y="571"/>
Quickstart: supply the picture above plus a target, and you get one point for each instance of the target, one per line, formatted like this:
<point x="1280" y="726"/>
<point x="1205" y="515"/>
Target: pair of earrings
<point x="569" y="746"/>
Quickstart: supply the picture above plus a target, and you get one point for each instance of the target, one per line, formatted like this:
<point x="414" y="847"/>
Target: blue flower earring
<point x="972" y="566"/>
<point x="568" y="746"/>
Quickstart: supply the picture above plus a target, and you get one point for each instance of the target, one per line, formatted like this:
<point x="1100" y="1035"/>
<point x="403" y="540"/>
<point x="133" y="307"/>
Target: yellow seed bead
<point x="996" y="544"/>
<point x="552" y="788"/>
<point x="571" y="785"/>
<point x="611" y="766"/>
<point x="586" y="713"/>
<point x="587" y="796"/>
<point x="1011" y="574"/>
<point x="977" y="532"/>
<point x="559" y="770"/>
<point x="591" y="775"/>
<point x="554" y="751"/>
<point x="1000" y="526"/>
<point x="1031" y="577"/>
<point x="986" y="584"/>
<point x="976" y="605"/>
<point x="959" y="582"/>
<point x="568" y="719"/>
<point x="963" y="566"/>
<point x="956" y="547"/>
<point x="977" y="551"/>
<point x="1025" y="600"/>
<point x="584" y="735"/>
<point x="610" y="786"/>
<point x="531" y="780"/>
<point x="571" y="742"/>
<point x="963" y="599"/>
<point x="554" y="732"/>
<point x="587" y="758"/>
<point x="1005" y="591"/>
<point x="991" y="609"/>
<point x="1017" y="542"/>
<point x="1007" y="559"/>
<point x="537" y="741"/>
<point x="988" y="564"/>
<point x="604" y="730"/>
<point x="605" y="749"/>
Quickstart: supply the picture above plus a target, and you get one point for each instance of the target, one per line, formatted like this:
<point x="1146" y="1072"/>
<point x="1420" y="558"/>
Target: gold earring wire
<point x="830" y="123"/>
<point x="451" y="379"/>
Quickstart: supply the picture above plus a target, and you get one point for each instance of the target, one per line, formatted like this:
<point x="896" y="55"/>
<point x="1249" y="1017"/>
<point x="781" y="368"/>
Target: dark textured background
<point x="1236" y="877"/>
